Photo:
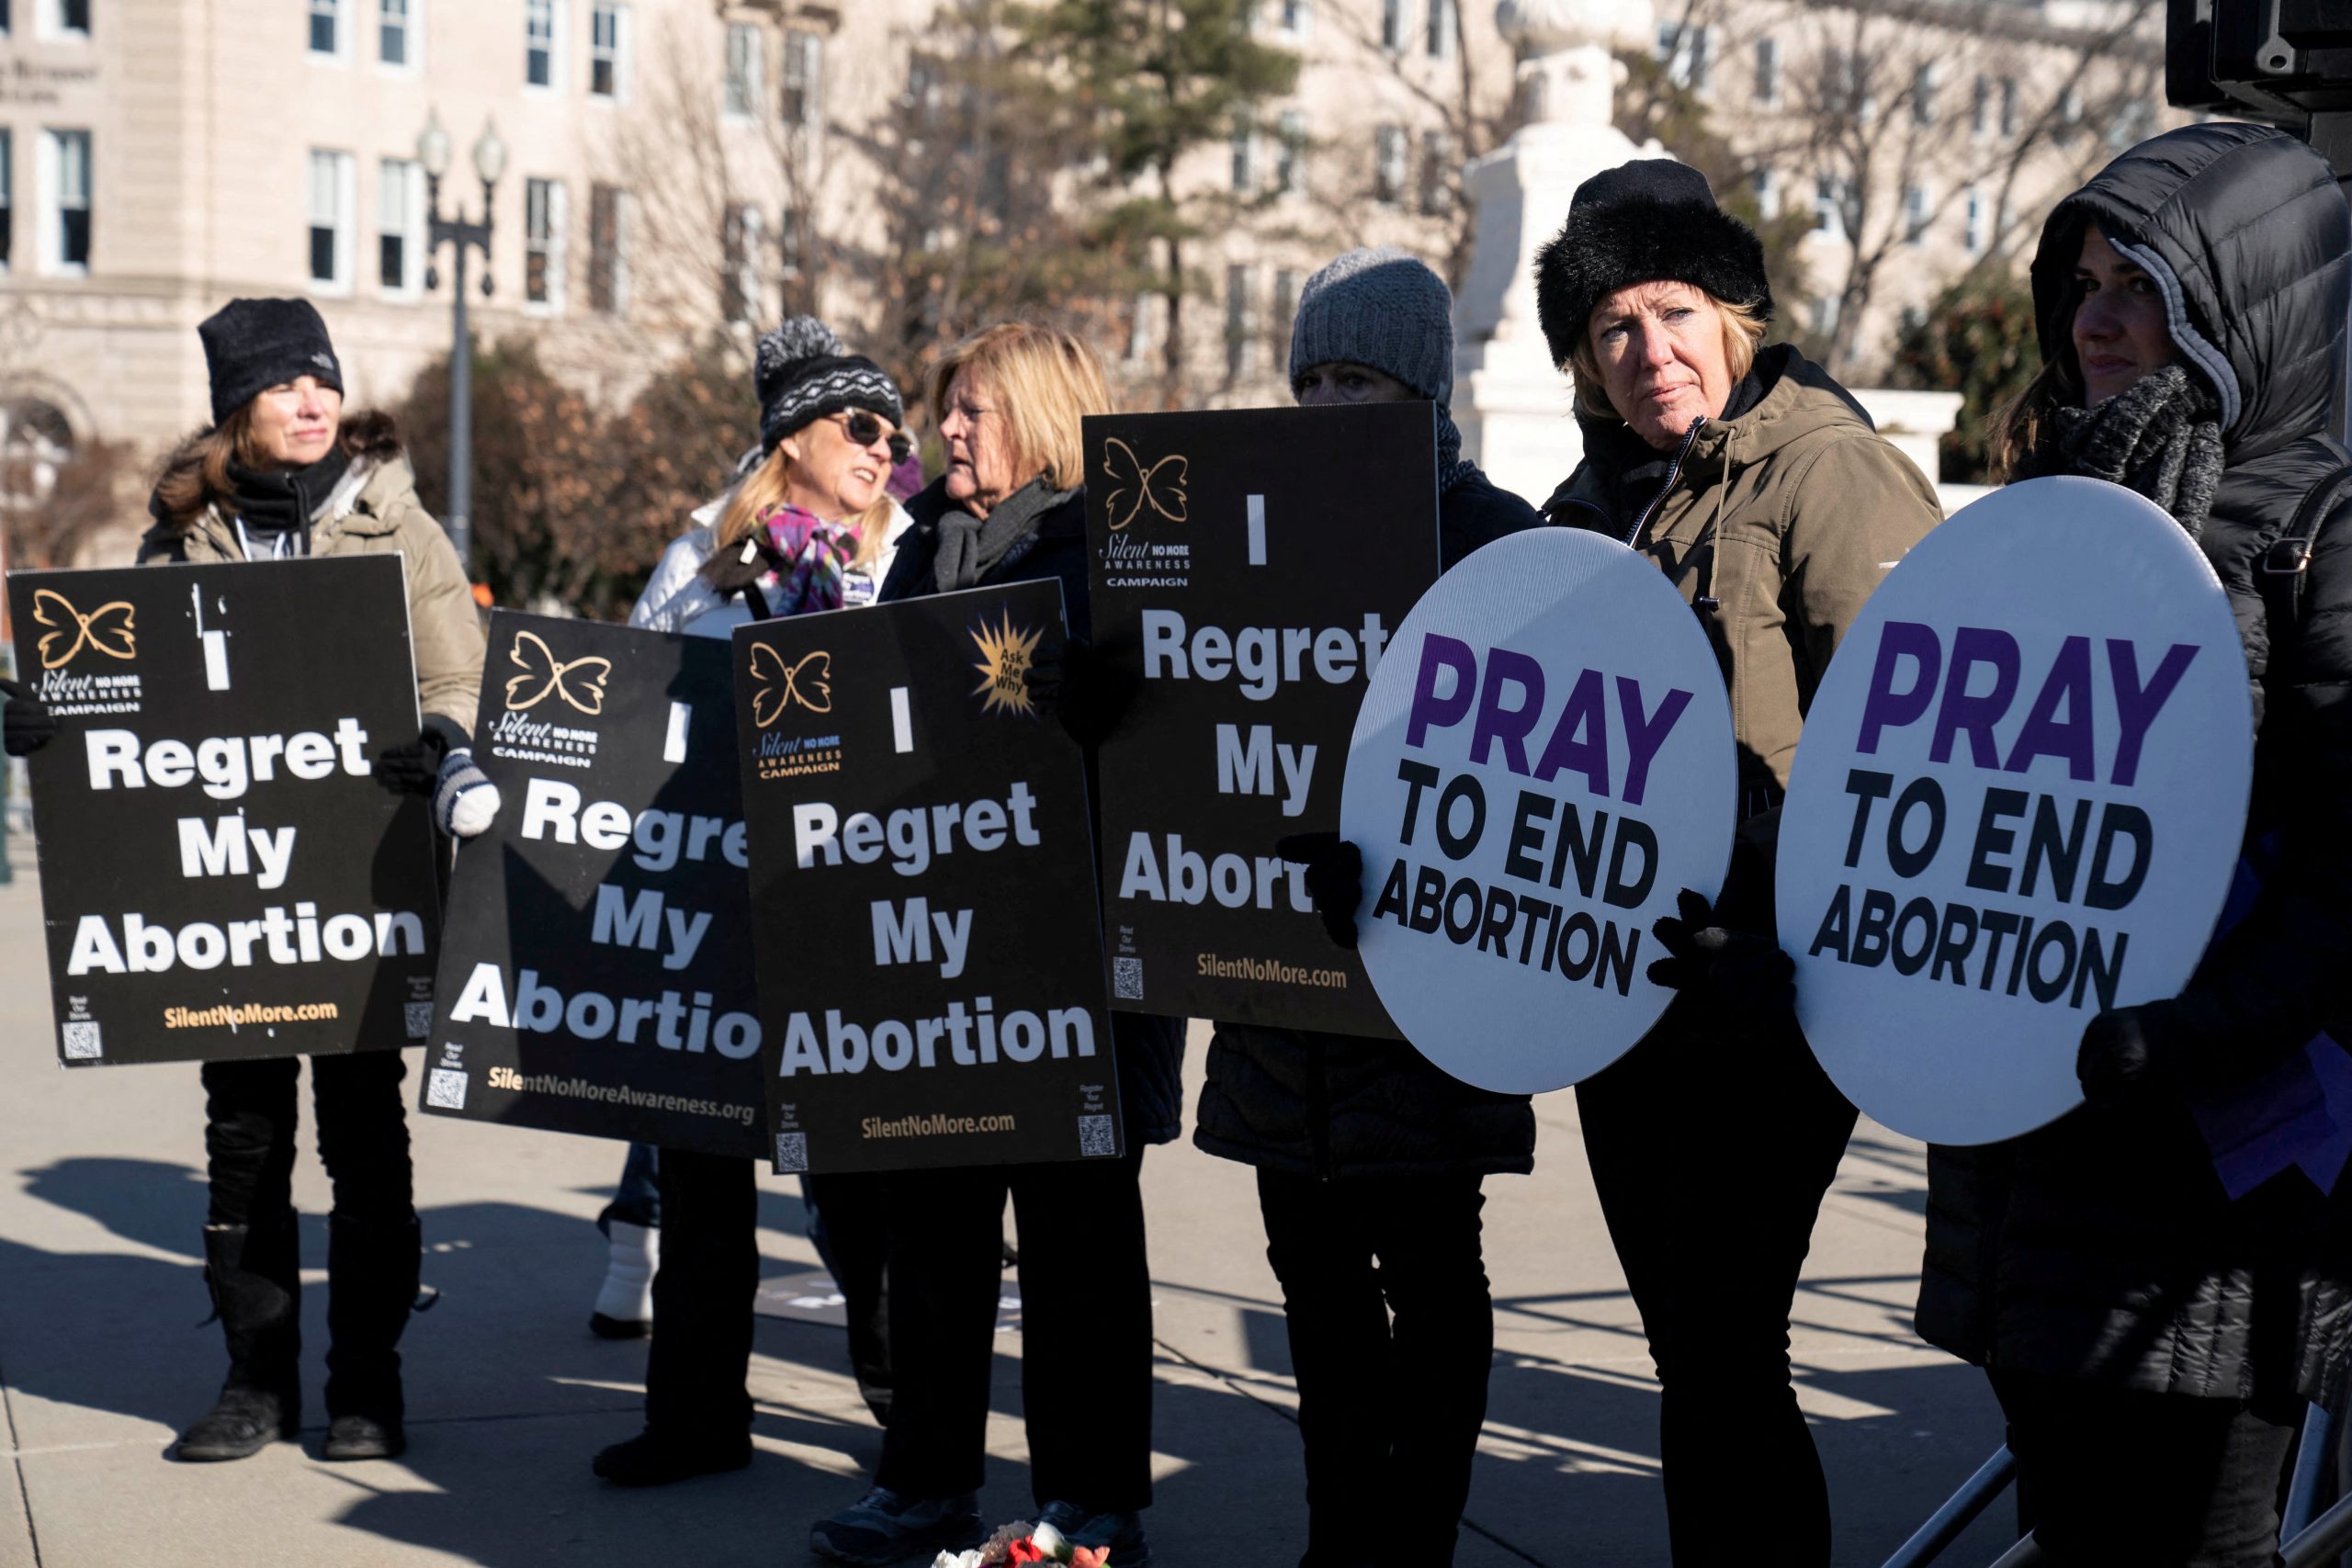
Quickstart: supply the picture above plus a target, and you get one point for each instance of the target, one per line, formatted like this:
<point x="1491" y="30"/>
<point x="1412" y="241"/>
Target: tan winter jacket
<point x="381" y="516"/>
<point x="1776" y="525"/>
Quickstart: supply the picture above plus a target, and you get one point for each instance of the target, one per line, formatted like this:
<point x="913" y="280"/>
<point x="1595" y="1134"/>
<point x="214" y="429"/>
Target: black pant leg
<point x="1086" y="1332"/>
<point x="698" y="1366"/>
<point x="1710" y="1161"/>
<point x="1340" y="1355"/>
<point x="946" y="1258"/>
<point x="249" y="1140"/>
<point x="363" y="1136"/>
<point x="1432" y="1271"/>
<point x="857" y="1217"/>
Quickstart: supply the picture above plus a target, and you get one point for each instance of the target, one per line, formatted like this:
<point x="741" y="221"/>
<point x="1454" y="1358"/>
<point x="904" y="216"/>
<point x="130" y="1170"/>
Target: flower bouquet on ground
<point x="1025" y="1543"/>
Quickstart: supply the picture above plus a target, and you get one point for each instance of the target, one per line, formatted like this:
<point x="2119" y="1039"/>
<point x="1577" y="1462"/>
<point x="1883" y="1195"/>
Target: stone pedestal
<point x="1514" y="406"/>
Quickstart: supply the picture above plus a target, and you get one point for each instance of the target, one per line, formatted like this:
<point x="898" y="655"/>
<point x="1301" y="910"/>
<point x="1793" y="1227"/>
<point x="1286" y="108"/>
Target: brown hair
<point x="2016" y="424"/>
<point x="1743" y="335"/>
<point x="763" y="490"/>
<point x="1047" y="380"/>
<point x="197" y="473"/>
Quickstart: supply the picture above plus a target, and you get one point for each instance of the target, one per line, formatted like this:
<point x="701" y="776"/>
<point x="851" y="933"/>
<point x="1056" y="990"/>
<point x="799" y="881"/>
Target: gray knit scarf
<point x="970" y="547"/>
<point x="2160" y="438"/>
<point x="1453" y="467"/>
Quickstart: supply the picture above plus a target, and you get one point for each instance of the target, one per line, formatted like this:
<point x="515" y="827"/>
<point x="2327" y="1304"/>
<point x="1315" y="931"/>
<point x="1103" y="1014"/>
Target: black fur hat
<point x="1648" y="221"/>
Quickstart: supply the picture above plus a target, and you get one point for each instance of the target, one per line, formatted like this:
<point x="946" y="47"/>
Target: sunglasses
<point x="866" y="429"/>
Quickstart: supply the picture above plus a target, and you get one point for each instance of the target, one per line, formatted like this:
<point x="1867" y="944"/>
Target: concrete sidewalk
<point x="102" y="1357"/>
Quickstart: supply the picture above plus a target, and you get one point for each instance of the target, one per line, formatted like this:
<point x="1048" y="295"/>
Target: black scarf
<point x="970" y="547"/>
<point x="2160" y="438"/>
<point x="276" y="502"/>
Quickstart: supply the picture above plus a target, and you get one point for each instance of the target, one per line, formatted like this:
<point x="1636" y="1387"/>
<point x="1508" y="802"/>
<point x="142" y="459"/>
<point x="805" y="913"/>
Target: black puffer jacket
<point x="2103" y="1246"/>
<point x="1330" y="1105"/>
<point x="1151" y="1050"/>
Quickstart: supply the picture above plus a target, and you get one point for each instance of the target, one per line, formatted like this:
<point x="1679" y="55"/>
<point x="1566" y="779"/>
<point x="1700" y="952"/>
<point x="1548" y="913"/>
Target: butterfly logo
<point x="808" y="682"/>
<point x="579" y="681"/>
<point x="1134" y="486"/>
<point x="107" y="628"/>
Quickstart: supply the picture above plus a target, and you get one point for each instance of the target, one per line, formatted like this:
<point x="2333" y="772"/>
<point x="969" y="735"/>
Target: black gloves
<point x="1745" y="983"/>
<point x="26" y="723"/>
<point x="2129" y="1051"/>
<point x="1334" y="880"/>
<point x="1087" y="694"/>
<point x="412" y="769"/>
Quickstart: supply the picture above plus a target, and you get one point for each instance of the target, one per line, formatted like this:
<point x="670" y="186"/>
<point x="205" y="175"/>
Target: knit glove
<point x="2129" y="1051"/>
<point x="1334" y="880"/>
<point x="1745" y="983"/>
<point x="1087" y="694"/>
<point x="464" y="800"/>
<point x="413" y="769"/>
<point x="26" y="723"/>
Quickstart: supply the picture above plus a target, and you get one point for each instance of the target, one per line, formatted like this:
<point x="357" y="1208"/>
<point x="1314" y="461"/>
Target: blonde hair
<point x="762" y="490"/>
<point x="1046" y="380"/>
<point x="1743" y="335"/>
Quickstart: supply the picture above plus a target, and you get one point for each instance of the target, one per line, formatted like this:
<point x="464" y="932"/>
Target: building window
<point x="1437" y="173"/>
<point x="1392" y="26"/>
<point x="2008" y="106"/>
<point x="2070" y="114"/>
<point x="330" y="220"/>
<point x="1915" y="216"/>
<point x="1684" y="51"/>
<point x="1972" y="234"/>
<point x="1979" y="106"/>
<point x="543" y="242"/>
<point x="396" y="33"/>
<point x="1766" y="184"/>
<point x="1290" y="157"/>
<point x="326" y="27"/>
<point x="1285" y="316"/>
<point x="607" y="250"/>
<point x="739" y="282"/>
<point x="1245" y="159"/>
<point x="1298" y="17"/>
<point x="61" y="19"/>
<point x="1140" y="334"/>
<point x="1440" y="34"/>
<point x="1239" y="344"/>
<point x="1828" y="207"/>
<point x="1768" y="73"/>
<point x="67" y="154"/>
<point x="8" y="21"/>
<point x="1923" y="96"/>
<point x="541" y="38"/>
<point x="608" y="50"/>
<point x="1388" y="164"/>
<point x="1826" y="311"/>
<point x="792" y="245"/>
<point x="7" y="197"/>
<point x="742" y="70"/>
<point x="804" y="62"/>
<point x="400" y="224"/>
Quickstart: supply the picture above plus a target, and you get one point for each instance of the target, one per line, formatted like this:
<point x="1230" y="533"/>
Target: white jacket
<point x="676" y="599"/>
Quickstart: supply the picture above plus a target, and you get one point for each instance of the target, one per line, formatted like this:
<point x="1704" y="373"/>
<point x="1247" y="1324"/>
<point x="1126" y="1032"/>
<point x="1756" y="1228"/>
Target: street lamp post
<point x="490" y="162"/>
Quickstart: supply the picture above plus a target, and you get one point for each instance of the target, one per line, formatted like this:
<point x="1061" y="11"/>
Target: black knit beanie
<point x="1647" y="221"/>
<point x="802" y="374"/>
<point x="251" y="346"/>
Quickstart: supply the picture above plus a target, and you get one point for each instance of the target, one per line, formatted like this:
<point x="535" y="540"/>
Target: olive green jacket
<point x="1776" y="525"/>
<point x="381" y="515"/>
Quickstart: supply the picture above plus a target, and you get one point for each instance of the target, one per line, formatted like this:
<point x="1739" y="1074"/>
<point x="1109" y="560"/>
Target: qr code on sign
<point x="792" y="1151"/>
<point x="82" y="1043"/>
<point x="1127" y="979"/>
<point x="446" y="1090"/>
<point x="420" y="1019"/>
<point x="1096" y="1135"/>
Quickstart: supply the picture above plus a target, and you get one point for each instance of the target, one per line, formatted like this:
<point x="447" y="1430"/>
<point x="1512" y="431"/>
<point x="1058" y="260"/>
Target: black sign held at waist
<point x="596" y="973"/>
<point x="1248" y="568"/>
<point x="221" y="878"/>
<point x="925" y="930"/>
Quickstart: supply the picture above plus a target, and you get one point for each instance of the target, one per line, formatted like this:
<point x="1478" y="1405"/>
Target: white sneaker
<point x="625" y="1305"/>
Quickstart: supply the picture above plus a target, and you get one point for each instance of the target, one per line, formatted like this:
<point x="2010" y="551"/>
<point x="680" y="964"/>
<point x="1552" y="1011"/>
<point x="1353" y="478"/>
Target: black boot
<point x="371" y="1289"/>
<point x="255" y="1276"/>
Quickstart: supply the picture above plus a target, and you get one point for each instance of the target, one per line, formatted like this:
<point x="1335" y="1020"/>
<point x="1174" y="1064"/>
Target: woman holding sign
<point x="807" y="528"/>
<point x="1757" y="484"/>
<point x="2151" y="1337"/>
<point x="1011" y="508"/>
<point x="281" y="474"/>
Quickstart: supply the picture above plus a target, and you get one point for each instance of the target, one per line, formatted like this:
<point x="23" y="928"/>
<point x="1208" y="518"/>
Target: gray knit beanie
<point x="1383" y="308"/>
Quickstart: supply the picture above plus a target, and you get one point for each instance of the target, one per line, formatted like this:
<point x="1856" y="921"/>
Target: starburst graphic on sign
<point x="1005" y="656"/>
